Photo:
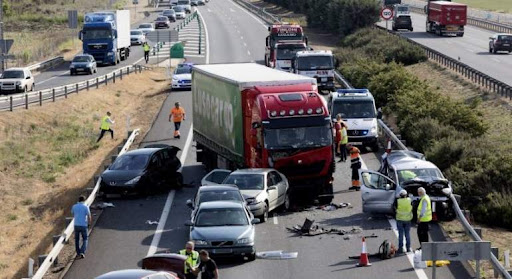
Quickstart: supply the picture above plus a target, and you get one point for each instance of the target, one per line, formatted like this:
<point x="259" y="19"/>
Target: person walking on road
<point x="192" y="260"/>
<point x="177" y="115"/>
<point x="82" y="219"/>
<point x="403" y="221"/>
<point x="424" y="215"/>
<point x="146" y="48"/>
<point x="105" y="126"/>
<point x="355" y="165"/>
<point x="207" y="267"/>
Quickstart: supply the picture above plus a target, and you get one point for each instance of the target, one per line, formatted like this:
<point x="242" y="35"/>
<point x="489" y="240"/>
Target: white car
<point x="146" y="27"/>
<point x="180" y="12"/>
<point x="137" y="37"/>
<point x="182" y="77"/>
<point x="16" y="80"/>
<point x="263" y="189"/>
<point x="186" y="4"/>
<point x="201" y="2"/>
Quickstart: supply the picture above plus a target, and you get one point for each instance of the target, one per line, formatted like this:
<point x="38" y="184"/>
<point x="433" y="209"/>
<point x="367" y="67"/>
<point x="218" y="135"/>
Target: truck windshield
<point x="287" y="52"/>
<point x="298" y="137"/>
<point x="354" y="109"/>
<point x="92" y="34"/>
<point x="315" y="63"/>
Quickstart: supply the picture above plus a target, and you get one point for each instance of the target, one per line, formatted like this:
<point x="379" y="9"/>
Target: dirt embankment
<point x="50" y="154"/>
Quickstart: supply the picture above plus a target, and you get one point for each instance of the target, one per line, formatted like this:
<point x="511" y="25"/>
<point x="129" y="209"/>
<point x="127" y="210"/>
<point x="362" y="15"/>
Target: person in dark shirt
<point x="207" y="267"/>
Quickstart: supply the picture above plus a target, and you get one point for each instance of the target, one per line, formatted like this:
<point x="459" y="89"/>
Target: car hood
<point x="221" y="232"/>
<point x="183" y="76"/>
<point x="250" y="193"/>
<point x="120" y="175"/>
<point x="11" y="79"/>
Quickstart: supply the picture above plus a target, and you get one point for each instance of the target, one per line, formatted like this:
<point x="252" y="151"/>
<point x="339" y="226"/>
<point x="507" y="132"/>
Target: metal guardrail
<point x="50" y="258"/>
<point x="268" y="17"/>
<point x="46" y="64"/>
<point x="24" y="99"/>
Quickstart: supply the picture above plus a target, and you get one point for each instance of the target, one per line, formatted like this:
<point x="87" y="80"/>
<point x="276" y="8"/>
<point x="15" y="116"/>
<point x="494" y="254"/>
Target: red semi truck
<point x="446" y="18"/>
<point x="250" y="116"/>
<point x="286" y="37"/>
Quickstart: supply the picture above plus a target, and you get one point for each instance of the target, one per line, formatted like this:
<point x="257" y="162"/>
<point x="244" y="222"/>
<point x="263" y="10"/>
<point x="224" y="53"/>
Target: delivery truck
<point x="446" y="18"/>
<point x="318" y="64"/>
<point x="106" y="36"/>
<point x="250" y="116"/>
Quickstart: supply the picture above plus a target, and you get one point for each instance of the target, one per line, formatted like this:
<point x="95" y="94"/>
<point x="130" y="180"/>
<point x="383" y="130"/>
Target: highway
<point x="122" y="238"/>
<point x="472" y="49"/>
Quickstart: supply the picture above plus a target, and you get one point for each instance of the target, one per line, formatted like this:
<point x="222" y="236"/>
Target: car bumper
<point x="124" y="189"/>
<point x="181" y="85"/>
<point x="80" y="70"/>
<point x="226" y="252"/>
<point x="503" y="48"/>
<point x="257" y="209"/>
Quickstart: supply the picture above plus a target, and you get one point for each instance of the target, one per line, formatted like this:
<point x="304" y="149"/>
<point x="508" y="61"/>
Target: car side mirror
<point x="255" y="221"/>
<point x="189" y="223"/>
<point x="80" y="35"/>
<point x="388" y="187"/>
<point x="190" y="204"/>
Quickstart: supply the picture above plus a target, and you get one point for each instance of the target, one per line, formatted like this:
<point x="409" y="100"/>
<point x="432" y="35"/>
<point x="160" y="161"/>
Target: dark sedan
<point x="138" y="274"/>
<point x="83" y="63"/>
<point x="162" y="22"/>
<point x="170" y="14"/>
<point x="143" y="171"/>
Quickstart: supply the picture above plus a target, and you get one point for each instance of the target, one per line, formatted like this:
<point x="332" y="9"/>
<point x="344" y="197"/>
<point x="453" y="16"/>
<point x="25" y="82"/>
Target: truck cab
<point x="284" y="53"/>
<point x="316" y="64"/>
<point x="357" y="109"/>
<point x="281" y="33"/>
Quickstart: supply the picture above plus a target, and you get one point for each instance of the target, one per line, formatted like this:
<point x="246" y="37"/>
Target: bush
<point x="360" y="72"/>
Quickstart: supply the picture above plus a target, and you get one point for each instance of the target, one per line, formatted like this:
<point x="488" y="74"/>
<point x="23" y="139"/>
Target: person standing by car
<point x="192" y="260"/>
<point x="355" y="165"/>
<point x="146" y="48"/>
<point x="177" y="115"/>
<point x="105" y="126"/>
<point x="82" y="219"/>
<point x="337" y="134"/>
<point x="403" y="221"/>
<point x="207" y="267"/>
<point x="343" y="142"/>
<point x="424" y="215"/>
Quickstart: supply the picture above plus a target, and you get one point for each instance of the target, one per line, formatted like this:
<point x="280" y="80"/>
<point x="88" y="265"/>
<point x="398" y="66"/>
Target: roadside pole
<point x="386" y="14"/>
<point x="2" y="67"/>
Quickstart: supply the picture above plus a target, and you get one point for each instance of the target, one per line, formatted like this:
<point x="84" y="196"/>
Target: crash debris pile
<point x="307" y="229"/>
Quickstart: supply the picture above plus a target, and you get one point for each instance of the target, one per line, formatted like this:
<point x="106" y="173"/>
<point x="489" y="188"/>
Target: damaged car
<point x="406" y="170"/>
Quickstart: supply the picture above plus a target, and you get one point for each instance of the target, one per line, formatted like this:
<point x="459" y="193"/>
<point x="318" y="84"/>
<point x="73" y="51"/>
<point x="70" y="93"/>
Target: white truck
<point x="106" y="36"/>
<point x="318" y="64"/>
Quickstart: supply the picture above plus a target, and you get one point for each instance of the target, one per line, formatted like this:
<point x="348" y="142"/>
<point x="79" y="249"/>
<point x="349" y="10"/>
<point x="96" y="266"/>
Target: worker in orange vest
<point x="355" y="165"/>
<point x="177" y="115"/>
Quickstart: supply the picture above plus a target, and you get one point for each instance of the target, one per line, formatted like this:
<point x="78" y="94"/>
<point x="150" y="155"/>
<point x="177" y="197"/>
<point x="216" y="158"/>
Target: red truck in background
<point x="247" y="115"/>
<point x="279" y="36"/>
<point x="446" y="18"/>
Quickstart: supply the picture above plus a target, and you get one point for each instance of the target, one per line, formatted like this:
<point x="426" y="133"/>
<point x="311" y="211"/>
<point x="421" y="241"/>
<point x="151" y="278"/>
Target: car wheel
<point x="71" y="73"/>
<point x="325" y="200"/>
<point x="263" y="218"/>
<point x="251" y="257"/>
<point x="178" y="181"/>
<point x="490" y="49"/>
<point x="494" y="50"/>
<point x="33" y="87"/>
<point x="375" y="147"/>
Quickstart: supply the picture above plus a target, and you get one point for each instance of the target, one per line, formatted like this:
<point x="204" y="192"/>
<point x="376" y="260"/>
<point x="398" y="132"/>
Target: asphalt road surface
<point x="122" y="238"/>
<point x="472" y="49"/>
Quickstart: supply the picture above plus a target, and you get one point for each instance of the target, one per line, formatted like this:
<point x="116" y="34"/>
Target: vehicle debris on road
<point x="277" y="255"/>
<point x="307" y="229"/>
<point x="102" y="205"/>
<point x="149" y="222"/>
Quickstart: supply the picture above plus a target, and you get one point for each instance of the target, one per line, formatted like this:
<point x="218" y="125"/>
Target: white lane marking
<point x="250" y="14"/>
<point x="168" y="203"/>
<point x="275" y="219"/>
<point x="249" y="53"/>
<point x="207" y="38"/>
<point x="209" y="10"/>
<point x="54" y="77"/>
<point x="470" y="50"/>
<point x="245" y="45"/>
<point x="242" y="37"/>
<point x="419" y="272"/>
<point x="231" y="10"/>
<point x="238" y="31"/>
<point x="496" y="59"/>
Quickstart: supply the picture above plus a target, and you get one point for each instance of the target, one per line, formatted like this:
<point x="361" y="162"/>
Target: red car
<point x="162" y="22"/>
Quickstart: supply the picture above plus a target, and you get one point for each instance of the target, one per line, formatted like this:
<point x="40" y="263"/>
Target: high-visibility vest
<point x="428" y="211"/>
<point x="178" y="114"/>
<point x="146" y="47"/>
<point x="404" y="209"/>
<point x="105" y="125"/>
<point x="344" y="137"/>
<point x="193" y="259"/>
<point x="355" y="162"/>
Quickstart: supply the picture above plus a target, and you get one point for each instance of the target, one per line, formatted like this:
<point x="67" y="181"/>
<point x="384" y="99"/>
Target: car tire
<point x="287" y="202"/>
<point x="494" y="50"/>
<point x="325" y="200"/>
<point x="490" y="49"/>
<point x="251" y="257"/>
<point x="178" y="181"/>
<point x="264" y="217"/>
<point x="71" y="73"/>
<point x="375" y="147"/>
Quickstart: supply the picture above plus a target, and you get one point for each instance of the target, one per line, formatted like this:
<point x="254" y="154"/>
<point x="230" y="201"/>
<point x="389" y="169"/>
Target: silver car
<point x="405" y="170"/>
<point x="146" y="27"/>
<point x="83" y="63"/>
<point x="137" y="37"/>
<point x="263" y="189"/>
<point x="215" y="193"/>
<point x="180" y="12"/>
<point x="224" y="229"/>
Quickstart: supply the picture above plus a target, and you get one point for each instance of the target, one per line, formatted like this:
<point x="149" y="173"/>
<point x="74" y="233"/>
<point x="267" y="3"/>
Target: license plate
<point x="79" y="70"/>
<point x="356" y="143"/>
<point x="222" y="251"/>
<point x="451" y="28"/>
<point x="323" y="79"/>
<point x="506" y="44"/>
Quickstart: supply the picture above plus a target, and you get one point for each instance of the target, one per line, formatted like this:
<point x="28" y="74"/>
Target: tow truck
<point x="279" y="36"/>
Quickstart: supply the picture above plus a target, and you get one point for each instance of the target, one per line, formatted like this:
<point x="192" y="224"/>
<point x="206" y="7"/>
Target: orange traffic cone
<point x="363" y="259"/>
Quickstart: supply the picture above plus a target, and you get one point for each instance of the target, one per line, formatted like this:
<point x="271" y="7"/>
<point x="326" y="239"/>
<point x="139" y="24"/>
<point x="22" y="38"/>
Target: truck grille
<point x="97" y="47"/>
<point x="299" y="170"/>
<point x="357" y="132"/>
<point x="222" y="243"/>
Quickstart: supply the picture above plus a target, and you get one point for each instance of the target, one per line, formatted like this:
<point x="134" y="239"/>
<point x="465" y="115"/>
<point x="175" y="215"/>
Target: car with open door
<point x="405" y="170"/>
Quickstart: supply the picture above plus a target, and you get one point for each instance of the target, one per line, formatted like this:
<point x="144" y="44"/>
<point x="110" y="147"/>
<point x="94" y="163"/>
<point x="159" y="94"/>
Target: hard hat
<point x="403" y="193"/>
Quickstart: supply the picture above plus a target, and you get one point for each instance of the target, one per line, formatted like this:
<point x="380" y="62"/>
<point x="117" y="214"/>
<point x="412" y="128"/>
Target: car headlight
<point x="174" y="78"/>
<point x="200" y="242"/>
<point x="110" y="54"/>
<point x="18" y="82"/>
<point x="246" y="240"/>
<point x="133" y="181"/>
<point x="373" y="131"/>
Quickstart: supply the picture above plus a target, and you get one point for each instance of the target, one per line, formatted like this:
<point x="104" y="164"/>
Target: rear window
<point x="81" y="59"/>
<point x="168" y="12"/>
<point x="178" y="9"/>
<point x="505" y="37"/>
<point x="207" y="196"/>
<point x="136" y="33"/>
<point x="162" y="18"/>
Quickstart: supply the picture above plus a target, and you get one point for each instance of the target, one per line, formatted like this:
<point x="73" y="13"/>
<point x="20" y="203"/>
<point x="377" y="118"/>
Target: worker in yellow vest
<point x="192" y="260"/>
<point x="146" y="48"/>
<point x="355" y="165"/>
<point x="424" y="215"/>
<point x="403" y="221"/>
<point x="106" y="122"/>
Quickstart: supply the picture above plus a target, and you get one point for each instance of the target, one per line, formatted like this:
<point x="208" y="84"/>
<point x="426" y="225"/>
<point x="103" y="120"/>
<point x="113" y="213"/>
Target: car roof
<point x="221" y="187"/>
<point x="403" y="160"/>
<point x="253" y="171"/>
<point x="220" y="205"/>
<point x="127" y="274"/>
<point x="15" y="69"/>
<point x="142" y="151"/>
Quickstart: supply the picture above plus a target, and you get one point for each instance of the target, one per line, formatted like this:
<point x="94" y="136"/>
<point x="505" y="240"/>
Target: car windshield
<point x="505" y="37"/>
<point x="315" y="63"/>
<point x="220" y="195"/>
<point x="354" y="109"/>
<point x="287" y="52"/>
<point x="178" y="9"/>
<point x="168" y="12"/>
<point x="298" y="137"/>
<point x="130" y="162"/>
<point x="12" y="74"/>
<point x="81" y="59"/>
<point x="221" y="217"/>
<point x="246" y="181"/>
<point x="90" y="34"/>
<point x="405" y="175"/>
<point x="145" y="26"/>
<point x="183" y="70"/>
<point x="136" y="33"/>
<point x="162" y="18"/>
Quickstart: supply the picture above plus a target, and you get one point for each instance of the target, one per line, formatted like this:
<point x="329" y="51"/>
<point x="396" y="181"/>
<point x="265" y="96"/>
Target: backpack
<point x="386" y="250"/>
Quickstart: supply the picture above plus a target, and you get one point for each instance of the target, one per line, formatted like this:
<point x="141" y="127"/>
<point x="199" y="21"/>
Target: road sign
<point x="135" y="2"/>
<point x="162" y="36"/>
<point x="5" y="45"/>
<point x="386" y="13"/>
<point x="73" y="19"/>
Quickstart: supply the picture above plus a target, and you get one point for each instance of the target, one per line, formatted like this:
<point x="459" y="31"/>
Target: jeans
<point x="404" y="227"/>
<point x="79" y="230"/>
<point x="177" y="126"/>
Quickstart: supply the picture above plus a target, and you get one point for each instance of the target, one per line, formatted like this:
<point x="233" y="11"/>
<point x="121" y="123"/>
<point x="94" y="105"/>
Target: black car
<point x="500" y="42"/>
<point x="402" y="22"/>
<point x="171" y="14"/>
<point x="143" y="171"/>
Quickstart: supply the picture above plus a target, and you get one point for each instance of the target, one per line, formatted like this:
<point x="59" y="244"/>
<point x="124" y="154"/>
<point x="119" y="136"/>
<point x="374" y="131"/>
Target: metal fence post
<point x="53" y="94"/>
<point x="40" y="98"/>
<point x="121" y="74"/>
<point x="65" y="91"/>
<point x="10" y="103"/>
<point x="76" y="89"/>
<point x="114" y="77"/>
<point x="97" y="83"/>
<point x="87" y="85"/>
<point x="26" y="101"/>
<point x="106" y="80"/>
<point x="128" y="71"/>
<point x="199" y="22"/>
